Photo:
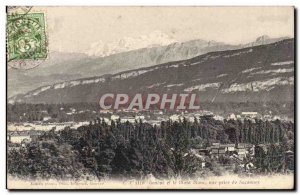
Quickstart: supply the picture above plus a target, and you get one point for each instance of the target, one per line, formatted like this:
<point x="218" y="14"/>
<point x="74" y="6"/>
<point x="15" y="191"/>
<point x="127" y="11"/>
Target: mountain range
<point x="120" y="56"/>
<point x="258" y="73"/>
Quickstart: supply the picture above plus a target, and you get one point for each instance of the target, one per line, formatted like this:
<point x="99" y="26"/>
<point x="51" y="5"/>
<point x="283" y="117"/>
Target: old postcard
<point x="150" y="98"/>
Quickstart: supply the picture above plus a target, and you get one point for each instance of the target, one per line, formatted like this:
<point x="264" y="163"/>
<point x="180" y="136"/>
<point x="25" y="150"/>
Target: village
<point x="17" y="132"/>
<point x="20" y="134"/>
<point x="154" y="117"/>
<point x="212" y="145"/>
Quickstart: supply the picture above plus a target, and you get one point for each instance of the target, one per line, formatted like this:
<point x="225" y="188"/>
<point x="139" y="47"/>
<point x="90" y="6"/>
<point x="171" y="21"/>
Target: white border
<point x="106" y="3"/>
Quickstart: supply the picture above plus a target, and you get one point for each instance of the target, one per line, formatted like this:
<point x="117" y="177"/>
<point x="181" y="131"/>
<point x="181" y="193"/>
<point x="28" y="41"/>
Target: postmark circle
<point x="26" y="40"/>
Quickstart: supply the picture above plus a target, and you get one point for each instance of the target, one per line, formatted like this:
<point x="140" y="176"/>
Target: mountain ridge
<point x="77" y="66"/>
<point x="260" y="77"/>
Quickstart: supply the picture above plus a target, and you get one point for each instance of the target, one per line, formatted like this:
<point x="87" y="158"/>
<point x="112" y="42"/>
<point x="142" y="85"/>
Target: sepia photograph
<point x="150" y="98"/>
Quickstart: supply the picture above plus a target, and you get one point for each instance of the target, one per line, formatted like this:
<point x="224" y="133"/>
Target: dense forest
<point x="137" y="150"/>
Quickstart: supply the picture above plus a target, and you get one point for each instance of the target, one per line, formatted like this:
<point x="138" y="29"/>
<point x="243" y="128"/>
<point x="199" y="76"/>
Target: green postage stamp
<point x="26" y="37"/>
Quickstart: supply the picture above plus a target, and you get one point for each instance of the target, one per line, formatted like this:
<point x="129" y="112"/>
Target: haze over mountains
<point x="110" y="58"/>
<point x="260" y="73"/>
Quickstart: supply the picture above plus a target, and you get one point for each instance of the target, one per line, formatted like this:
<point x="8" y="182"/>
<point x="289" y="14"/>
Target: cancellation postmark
<point x="26" y="39"/>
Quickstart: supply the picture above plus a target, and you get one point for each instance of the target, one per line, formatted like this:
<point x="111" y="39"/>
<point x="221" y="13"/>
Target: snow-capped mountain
<point x="258" y="74"/>
<point x="158" y="39"/>
<point x="154" y="39"/>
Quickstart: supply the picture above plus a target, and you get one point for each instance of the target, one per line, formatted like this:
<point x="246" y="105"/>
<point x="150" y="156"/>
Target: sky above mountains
<point x="86" y="29"/>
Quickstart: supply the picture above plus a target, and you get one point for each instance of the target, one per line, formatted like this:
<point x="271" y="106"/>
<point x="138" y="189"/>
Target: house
<point x="114" y="117"/>
<point x="222" y="151"/>
<point x="241" y="150"/>
<point x="46" y="118"/>
<point x="175" y="117"/>
<point x="206" y="113"/>
<point x="249" y="114"/>
<point x="214" y="150"/>
<point x="228" y="147"/>
<point x="107" y="120"/>
<point x="105" y="111"/>
<point x="191" y="119"/>
<point x="218" y="118"/>
<point x="139" y="117"/>
<point x="218" y="149"/>
<point x="158" y="112"/>
<point x="129" y="119"/>
<point x="232" y="116"/>
<point x="73" y="110"/>
<point x="204" y="152"/>
<point x="34" y="135"/>
<point x="18" y="136"/>
<point x="10" y="148"/>
<point x="154" y="122"/>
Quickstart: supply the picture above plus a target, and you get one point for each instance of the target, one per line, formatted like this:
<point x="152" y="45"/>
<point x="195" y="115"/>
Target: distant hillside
<point x="61" y="67"/>
<point x="259" y="74"/>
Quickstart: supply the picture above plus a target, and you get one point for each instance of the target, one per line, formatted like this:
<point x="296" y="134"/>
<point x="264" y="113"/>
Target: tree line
<point x="137" y="150"/>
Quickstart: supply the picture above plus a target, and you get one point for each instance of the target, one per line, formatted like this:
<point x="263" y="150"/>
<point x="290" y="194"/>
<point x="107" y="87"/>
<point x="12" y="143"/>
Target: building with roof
<point x="18" y="136"/>
<point x="250" y="115"/>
